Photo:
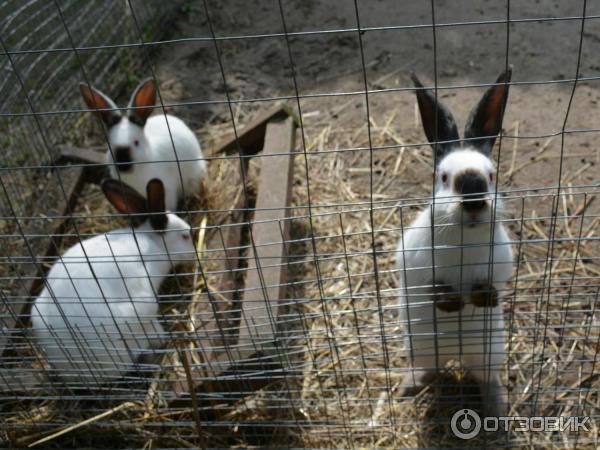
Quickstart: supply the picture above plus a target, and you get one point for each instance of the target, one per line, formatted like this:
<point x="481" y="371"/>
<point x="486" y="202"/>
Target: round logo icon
<point x="465" y="424"/>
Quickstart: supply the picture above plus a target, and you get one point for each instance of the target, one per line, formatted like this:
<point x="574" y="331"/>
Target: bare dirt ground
<point x="339" y="391"/>
<point x="331" y="64"/>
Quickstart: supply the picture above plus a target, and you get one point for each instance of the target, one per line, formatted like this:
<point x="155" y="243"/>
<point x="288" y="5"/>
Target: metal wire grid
<point x="44" y="80"/>
<point x="332" y="336"/>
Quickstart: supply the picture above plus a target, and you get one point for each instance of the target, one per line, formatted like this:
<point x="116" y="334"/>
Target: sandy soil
<point x="259" y="68"/>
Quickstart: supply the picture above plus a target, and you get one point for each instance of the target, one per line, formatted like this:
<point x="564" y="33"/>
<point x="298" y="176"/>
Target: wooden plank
<point x="273" y="198"/>
<point x="223" y="248"/>
<point x="267" y="269"/>
<point x="251" y="138"/>
<point x="223" y="252"/>
<point x="93" y="155"/>
<point x="258" y="304"/>
<point x="38" y="242"/>
<point x="97" y="169"/>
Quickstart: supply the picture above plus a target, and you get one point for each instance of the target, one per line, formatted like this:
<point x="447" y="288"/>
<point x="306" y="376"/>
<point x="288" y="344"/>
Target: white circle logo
<point x="465" y="424"/>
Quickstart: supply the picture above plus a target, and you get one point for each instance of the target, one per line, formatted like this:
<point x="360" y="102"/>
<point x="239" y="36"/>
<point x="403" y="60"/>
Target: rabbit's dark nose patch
<point x="473" y="186"/>
<point x="123" y="159"/>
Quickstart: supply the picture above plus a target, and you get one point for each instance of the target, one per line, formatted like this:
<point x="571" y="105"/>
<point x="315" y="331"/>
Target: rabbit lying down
<point x="99" y="310"/>
<point x="142" y="147"/>
<point x="455" y="259"/>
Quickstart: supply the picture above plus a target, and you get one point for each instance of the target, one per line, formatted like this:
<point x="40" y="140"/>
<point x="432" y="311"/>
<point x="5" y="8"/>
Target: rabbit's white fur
<point x="461" y="258"/>
<point x="98" y="311"/>
<point x="144" y="147"/>
<point x="455" y="259"/>
<point x="155" y="153"/>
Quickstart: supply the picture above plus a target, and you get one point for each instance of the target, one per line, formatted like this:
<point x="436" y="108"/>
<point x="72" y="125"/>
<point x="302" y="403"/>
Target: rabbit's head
<point x="127" y="142"/>
<point x="465" y="174"/>
<point x="172" y="234"/>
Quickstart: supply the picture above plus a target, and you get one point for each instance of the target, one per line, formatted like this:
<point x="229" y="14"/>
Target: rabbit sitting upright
<point x="99" y="310"/>
<point x="142" y="147"/>
<point x="455" y="259"/>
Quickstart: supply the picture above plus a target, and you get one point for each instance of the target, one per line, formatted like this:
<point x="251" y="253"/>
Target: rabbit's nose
<point x="123" y="158"/>
<point x="473" y="187"/>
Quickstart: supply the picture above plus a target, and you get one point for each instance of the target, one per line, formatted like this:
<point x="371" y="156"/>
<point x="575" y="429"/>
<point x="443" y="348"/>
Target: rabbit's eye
<point x="136" y="142"/>
<point x="186" y="236"/>
<point x="491" y="177"/>
<point x="444" y="177"/>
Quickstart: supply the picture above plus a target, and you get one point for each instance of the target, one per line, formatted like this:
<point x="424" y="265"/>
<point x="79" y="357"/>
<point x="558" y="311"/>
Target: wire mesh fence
<point x="278" y="309"/>
<point x="47" y="47"/>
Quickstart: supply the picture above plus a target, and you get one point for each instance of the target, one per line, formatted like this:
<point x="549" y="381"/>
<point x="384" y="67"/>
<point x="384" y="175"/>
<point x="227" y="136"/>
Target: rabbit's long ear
<point x="142" y="102"/>
<point x="438" y="122"/>
<point x="485" y="121"/>
<point x="125" y="199"/>
<point x="155" y="191"/>
<point x="96" y="101"/>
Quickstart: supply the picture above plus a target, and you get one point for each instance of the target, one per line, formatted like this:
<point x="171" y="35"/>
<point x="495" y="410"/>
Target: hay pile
<point x="339" y="329"/>
<point x="552" y="316"/>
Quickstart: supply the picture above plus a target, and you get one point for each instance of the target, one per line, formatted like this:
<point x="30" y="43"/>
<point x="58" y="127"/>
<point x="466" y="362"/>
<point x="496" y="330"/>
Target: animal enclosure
<point x="285" y="331"/>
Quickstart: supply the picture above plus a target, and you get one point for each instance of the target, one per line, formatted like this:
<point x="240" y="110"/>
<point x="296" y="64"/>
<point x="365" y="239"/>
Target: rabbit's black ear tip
<point x="106" y="185"/>
<point x="506" y="75"/>
<point x="155" y="187"/>
<point x="110" y="183"/>
<point x="150" y="81"/>
<point x="156" y="182"/>
<point x="415" y="80"/>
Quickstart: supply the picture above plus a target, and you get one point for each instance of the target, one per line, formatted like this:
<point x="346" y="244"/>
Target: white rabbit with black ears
<point x="455" y="258"/>
<point x="99" y="309"/>
<point x="142" y="147"/>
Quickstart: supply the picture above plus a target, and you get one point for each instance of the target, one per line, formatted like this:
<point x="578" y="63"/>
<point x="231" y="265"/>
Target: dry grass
<point x="553" y="345"/>
<point x="339" y="327"/>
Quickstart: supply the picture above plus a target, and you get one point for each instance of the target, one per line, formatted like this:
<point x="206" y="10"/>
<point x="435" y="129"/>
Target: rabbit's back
<point x="165" y="132"/>
<point x="97" y="312"/>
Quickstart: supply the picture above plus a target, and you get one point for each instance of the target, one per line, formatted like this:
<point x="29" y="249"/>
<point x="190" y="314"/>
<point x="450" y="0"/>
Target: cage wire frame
<point x="329" y="377"/>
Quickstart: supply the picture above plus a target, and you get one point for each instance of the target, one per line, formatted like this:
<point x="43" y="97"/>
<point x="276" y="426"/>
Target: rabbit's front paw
<point x="484" y="296"/>
<point x="446" y="298"/>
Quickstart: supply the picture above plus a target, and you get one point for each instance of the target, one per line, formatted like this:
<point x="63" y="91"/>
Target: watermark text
<point x="467" y="424"/>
